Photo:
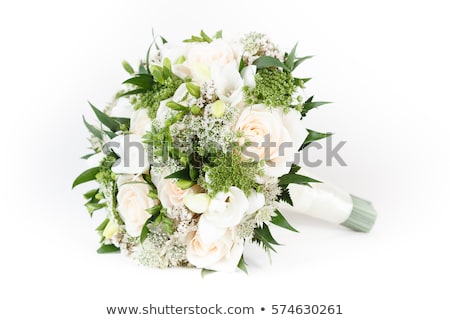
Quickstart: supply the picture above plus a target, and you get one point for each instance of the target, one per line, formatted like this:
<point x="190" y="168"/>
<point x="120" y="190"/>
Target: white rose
<point x="228" y="83"/>
<point x="140" y="123"/>
<point x="260" y="126"/>
<point x="227" y="209"/>
<point x="201" y="56"/>
<point x="133" y="200"/>
<point x="133" y="158"/>
<point x="221" y="252"/>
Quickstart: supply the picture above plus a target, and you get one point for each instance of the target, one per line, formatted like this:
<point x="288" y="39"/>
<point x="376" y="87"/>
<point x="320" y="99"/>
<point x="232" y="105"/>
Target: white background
<point x="385" y="66"/>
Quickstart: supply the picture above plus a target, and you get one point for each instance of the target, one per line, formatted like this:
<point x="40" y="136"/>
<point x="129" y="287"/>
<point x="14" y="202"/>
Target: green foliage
<point x="127" y="67"/>
<point x="289" y="178"/>
<point x="263" y="237"/>
<point x="229" y="170"/>
<point x="204" y="37"/>
<point x="281" y="221"/>
<point x="273" y="88"/>
<point x="310" y="104"/>
<point x="242" y="265"/>
<point x="109" y="122"/>
<point x="108" y="248"/>
<point x="314" y="136"/>
<point x="143" y="81"/>
<point x="86" y="176"/>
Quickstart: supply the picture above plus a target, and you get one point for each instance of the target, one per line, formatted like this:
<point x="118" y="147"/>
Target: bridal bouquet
<point x="197" y="155"/>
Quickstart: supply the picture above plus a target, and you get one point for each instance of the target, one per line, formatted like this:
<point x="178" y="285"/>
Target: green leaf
<point x="289" y="178"/>
<point x="87" y="156"/>
<point x="145" y="231"/>
<point x="90" y="194"/>
<point x="122" y="121"/>
<point x="241" y="64"/>
<point x="154" y="210"/>
<point x="314" y="136"/>
<point x="127" y="67"/>
<point x="301" y="82"/>
<point x="309" y="104"/>
<point x="294" y="168"/>
<point x="285" y="196"/>
<point x="281" y="221"/>
<point x="218" y="34"/>
<point x="181" y="174"/>
<point x="299" y="61"/>
<point x="205" y="36"/>
<point x="86" y="176"/>
<point x="263" y="237"/>
<point x="96" y="132"/>
<point x="105" y="119"/>
<point x="94" y="206"/>
<point x="242" y="265"/>
<point x="102" y="225"/>
<point x="266" y="62"/>
<point x="108" y="248"/>
<point x="205" y="272"/>
<point x="131" y="92"/>
<point x="291" y="57"/>
<point x="163" y="40"/>
<point x="144" y="81"/>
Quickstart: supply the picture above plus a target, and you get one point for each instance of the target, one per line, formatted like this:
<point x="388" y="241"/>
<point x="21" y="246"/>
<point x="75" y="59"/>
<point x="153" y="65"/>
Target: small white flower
<point x="248" y="74"/>
<point x="227" y="209"/>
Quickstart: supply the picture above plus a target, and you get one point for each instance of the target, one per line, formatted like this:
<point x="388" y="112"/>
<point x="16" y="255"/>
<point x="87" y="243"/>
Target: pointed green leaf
<point x="145" y="230"/>
<point x="310" y="104"/>
<point x="108" y="248"/>
<point x="218" y="34"/>
<point x="281" y="221"/>
<point x="286" y="196"/>
<point x="205" y="36"/>
<point x="205" y="272"/>
<point x="144" y="81"/>
<point x="123" y="121"/>
<point x="291" y="57"/>
<point x="131" y="92"/>
<point x="300" y="60"/>
<point x="289" y="178"/>
<point x="96" y="132"/>
<point x="242" y="265"/>
<point x="86" y="176"/>
<point x="102" y="226"/>
<point x="266" y="62"/>
<point x="94" y="206"/>
<point x="90" y="194"/>
<point x="105" y="119"/>
<point x="181" y="174"/>
<point x="163" y="40"/>
<point x="87" y="156"/>
<point x="314" y="136"/>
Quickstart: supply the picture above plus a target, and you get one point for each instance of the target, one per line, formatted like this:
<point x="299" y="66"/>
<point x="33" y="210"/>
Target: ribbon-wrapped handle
<point x="329" y="203"/>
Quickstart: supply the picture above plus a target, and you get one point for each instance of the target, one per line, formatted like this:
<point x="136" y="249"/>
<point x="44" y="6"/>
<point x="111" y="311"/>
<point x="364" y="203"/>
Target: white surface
<point x="385" y="66"/>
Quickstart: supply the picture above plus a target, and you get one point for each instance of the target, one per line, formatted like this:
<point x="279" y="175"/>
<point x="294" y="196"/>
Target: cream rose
<point x="140" y="123"/>
<point x="214" y="249"/>
<point x="169" y="193"/>
<point x="133" y="200"/>
<point x="274" y="136"/>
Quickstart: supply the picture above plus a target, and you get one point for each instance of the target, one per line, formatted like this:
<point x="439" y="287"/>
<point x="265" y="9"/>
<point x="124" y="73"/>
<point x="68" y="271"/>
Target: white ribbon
<point x="321" y="200"/>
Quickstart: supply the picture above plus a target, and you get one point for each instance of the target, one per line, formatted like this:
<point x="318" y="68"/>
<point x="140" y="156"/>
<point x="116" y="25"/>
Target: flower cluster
<point x="195" y="153"/>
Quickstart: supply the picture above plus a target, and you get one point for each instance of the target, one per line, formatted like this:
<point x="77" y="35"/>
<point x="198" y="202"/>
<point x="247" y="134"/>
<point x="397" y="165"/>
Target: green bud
<point x="193" y="89"/>
<point x="180" y="60"/>
<point x="185" y="184"/>
<point x="195" y="110"/>
<point x="127" y="67"/>
<point x="218" y="109"/>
